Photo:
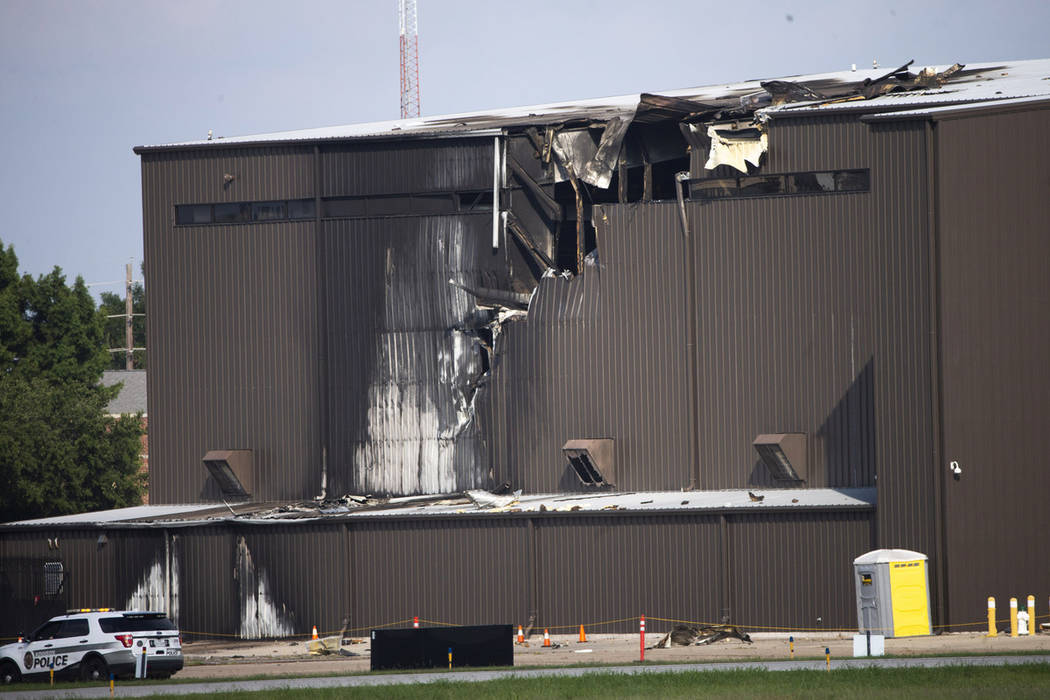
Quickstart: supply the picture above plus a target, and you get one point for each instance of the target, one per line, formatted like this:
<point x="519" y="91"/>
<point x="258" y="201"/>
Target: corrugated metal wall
<point x="796" y="570"/>
<point x="105" y="573"/>
<point x="595" y="569"/>
<point x="245" y="321"/>
<point x="232" y="318"/>
<point x="207" y="590"/>
<point x="404" y="360"/>
<point x="306" y="573"/>
<point x="994" y="223"/>
<point x="567" y="569"/>
<point x="464" y="572"/>
<point x="812" y="315"/>
<point x="602" y="355"/>
<point x="441" y="165"/>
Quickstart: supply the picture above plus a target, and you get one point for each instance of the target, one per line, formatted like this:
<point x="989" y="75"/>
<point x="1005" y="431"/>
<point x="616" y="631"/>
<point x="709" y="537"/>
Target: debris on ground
<point x="688" y="635"/>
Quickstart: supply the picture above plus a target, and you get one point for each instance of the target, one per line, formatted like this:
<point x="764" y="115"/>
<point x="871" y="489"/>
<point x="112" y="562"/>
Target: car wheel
<point x="93" y="669"/>
<point x="9" y="673"/>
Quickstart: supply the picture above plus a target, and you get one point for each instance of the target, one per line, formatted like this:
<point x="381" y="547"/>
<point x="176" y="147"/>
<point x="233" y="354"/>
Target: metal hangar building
<point x="683" y="354"/>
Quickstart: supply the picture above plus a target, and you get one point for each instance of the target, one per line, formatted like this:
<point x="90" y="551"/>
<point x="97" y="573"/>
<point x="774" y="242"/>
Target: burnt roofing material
<point x="873" y="90"/>
<point x="472" y="503"/>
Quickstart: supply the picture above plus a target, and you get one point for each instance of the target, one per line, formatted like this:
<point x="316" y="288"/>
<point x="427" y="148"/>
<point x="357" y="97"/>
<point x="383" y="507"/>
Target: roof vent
<point x="593" y="461"/>
<point x="784" y="454"/>
<point x="232" y="471"/>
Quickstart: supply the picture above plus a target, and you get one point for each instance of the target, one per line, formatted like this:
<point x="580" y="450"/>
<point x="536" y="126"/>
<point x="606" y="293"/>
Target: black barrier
<point x="429" y="647"/>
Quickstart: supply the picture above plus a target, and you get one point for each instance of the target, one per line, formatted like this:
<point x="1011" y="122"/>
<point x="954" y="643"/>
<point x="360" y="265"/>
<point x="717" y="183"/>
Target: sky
<point x="83" y="82"/>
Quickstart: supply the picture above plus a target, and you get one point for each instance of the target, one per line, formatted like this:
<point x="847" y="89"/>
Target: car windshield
<point x="135" y="624"/>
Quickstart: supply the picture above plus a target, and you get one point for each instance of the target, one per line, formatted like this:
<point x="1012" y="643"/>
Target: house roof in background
<point x="132" y="397"/>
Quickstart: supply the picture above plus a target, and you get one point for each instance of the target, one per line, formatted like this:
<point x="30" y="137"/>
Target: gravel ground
<point x="215" y="660"/>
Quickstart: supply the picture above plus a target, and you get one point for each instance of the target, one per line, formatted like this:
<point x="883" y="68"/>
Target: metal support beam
<point x="519" y="231"/>
<point x="548" y="203"/>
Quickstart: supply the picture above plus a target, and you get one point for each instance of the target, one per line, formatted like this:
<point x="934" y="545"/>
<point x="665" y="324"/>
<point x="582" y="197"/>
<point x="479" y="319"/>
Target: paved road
<point x="474" y="676"/>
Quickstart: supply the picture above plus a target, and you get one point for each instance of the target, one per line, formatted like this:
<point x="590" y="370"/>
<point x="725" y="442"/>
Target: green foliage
<point x="59" y="452"/>
<point x="114" y="304"/>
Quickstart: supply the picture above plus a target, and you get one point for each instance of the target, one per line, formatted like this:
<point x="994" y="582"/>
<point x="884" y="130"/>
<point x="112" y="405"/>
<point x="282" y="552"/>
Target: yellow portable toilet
<point x="893" y="593"/>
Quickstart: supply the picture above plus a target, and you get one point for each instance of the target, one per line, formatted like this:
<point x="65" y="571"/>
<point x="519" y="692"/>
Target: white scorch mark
<point x="260" y="616"/>
<point x="420" y="407"/>
<point x="152" y="593"/>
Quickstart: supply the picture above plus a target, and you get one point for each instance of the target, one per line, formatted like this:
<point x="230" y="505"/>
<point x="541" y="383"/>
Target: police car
<point x="93" y="644"/>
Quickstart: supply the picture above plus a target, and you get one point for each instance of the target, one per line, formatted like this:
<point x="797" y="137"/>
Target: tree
<point x="112" y="305"/>
<point x="59" y="451"/>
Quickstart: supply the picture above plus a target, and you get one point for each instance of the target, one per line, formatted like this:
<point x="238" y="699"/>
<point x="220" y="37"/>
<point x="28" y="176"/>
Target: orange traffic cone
<point x="583" y="635"/>
<point x="415" y="622"/>
<point x="521" y="635"/>
<point x="546" y="637"/>
<point x="314" y="635"/>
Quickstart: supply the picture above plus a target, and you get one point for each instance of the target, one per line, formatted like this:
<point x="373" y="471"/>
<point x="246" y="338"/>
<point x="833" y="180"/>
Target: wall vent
<point x="593" y="461"/>
<point x="232" y="471"/>
<point x="784" y="454"/>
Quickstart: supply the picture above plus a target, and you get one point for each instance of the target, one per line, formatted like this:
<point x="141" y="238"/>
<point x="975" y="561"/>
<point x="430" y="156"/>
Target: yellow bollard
<point x="791" y="646"/>
<point x="992" y="632"/>
<point x="111" y="685"/>
<point x="1032" y="626"/>
<point x="1013" y="617"/>
<point x="52" y="675"/>
<point x="827" y="656"/>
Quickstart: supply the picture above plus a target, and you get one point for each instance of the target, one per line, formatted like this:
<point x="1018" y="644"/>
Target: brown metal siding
<point x="796" y="570"/>
<point x="207" y="589"/>
<point x="600" y="569"/>
<point x="95" y="575"/>
<point x="812" y="315"/>
<point x="232" y="317"/>
<point x="194" y="177"/>
<point x="601" y="355"/>
<point x="992" y="176"/>
<point x="442" y="165"/>
<point x="233" y="346"/>
<point x="306" y="569"/>
<point x="459" y="572"/>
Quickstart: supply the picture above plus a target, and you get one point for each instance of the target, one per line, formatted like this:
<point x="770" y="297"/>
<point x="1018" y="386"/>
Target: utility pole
<point x="129" y="336"/>
<point x="129" y="317"/>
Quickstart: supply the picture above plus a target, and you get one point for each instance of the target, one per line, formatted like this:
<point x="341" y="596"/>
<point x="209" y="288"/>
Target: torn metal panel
<point x="599" y="169"/>
<point x="495" y="297"/>
<point x="653" y="109"/>
<point x="783" y="91"/>
<point x="592" y="159"/>
<point x="261" y="616"/>
<point x="412" y="356"/>
<point x="736" y="148"/>
<point x="574" y="149"/>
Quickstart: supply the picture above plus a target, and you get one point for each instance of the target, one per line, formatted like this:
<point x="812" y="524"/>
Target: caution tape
<point x="602" y="623"/>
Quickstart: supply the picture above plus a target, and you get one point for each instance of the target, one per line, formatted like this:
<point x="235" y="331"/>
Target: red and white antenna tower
<point x="406" y="10"/>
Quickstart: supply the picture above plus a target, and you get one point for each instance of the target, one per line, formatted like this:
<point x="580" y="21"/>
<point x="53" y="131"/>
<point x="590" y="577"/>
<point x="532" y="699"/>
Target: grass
<point x="1024" y="681"/>
<point x="1029" y="681"/>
